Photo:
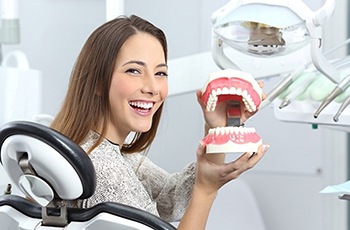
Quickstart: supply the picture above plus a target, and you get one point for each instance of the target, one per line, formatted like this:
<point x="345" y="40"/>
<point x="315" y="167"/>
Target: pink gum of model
<point x="232" y="86"/>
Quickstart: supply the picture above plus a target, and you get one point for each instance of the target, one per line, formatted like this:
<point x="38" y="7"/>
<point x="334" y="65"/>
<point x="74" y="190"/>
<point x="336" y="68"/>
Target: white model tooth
<point x="213" y="93"/>
<point x="217" y="131"/>
<point x="211" y="131"/>
<point x="253" y="107"/>
<point x="212" y="97"/>
<point x="236" y="130"/>
<point x="244" y="93"/>
<point x="208" y="107"/>
<point x="227" y="130"/>
<point x="212" y="101"/>
<point x="249" y="96"/>
<point x="250" y="101"/>
<point x="239" y="91"/>
<point x="222" y="130"/>
<point x="231" y="129"/>
<point x="246" y="130"/>
<point x="225" y="90"/>
<point x="233" y="91"/>
<point x="218" y="91"/>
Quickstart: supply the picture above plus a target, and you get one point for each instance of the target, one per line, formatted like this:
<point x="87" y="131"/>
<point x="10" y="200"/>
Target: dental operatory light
<point x="262" y="29"/>
<point x="273" y="29"/>
<point x="270" y="28"/>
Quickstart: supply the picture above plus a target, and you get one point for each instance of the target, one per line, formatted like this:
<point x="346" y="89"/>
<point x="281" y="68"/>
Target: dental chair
<point x="48" y="168"/>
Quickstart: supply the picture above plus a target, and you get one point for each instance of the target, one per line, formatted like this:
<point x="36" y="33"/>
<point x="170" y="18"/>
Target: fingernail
<point x="252" y="154"/>
<point x="201" y="144"/>
<point x="265" y="148"/>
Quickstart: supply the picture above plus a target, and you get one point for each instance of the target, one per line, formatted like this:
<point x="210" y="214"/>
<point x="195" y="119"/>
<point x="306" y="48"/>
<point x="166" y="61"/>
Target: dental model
<point x="240" y="91"/>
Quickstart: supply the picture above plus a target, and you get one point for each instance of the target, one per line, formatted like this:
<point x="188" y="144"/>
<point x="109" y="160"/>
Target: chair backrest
<point x="48" y="168"/>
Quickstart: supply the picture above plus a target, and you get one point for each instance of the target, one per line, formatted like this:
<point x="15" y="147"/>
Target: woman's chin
<point x="143" y="128"/>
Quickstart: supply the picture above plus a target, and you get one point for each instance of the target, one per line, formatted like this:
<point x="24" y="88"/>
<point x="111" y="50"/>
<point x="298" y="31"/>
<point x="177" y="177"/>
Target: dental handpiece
<point x="336" y="92"/>
<point x="341" y="109"/>
<point x="302" y="86"/>
<point x="283" y="85"/>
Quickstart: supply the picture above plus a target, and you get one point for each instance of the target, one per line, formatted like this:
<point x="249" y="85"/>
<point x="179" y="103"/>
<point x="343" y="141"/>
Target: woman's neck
<point x="114" y="136"/>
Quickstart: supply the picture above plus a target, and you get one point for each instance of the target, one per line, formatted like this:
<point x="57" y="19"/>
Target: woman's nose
<point x="150" y="86"/>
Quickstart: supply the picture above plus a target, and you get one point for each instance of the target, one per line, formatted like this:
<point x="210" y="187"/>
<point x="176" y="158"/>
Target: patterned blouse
<point x="132" y="179"/>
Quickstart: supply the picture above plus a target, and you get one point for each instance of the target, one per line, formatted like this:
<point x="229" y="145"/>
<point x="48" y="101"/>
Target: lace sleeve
<point x="171" y="192"/>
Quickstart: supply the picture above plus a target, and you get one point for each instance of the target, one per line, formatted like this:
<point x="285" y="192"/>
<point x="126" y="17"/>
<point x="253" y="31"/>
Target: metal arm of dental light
<point x="221" y="60"/>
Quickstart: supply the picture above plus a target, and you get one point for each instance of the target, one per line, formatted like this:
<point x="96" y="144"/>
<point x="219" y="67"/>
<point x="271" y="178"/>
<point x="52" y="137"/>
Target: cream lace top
<point x="132" y="179"/>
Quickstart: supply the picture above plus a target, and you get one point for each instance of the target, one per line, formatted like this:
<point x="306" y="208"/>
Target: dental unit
<point x="240" y="91"/>
<point x="340" y="88"/>
<point x="301" y="82"/>
<point x="294" y="75"/>
<point x="281" y="29"/>
<point x="300" y="87"/>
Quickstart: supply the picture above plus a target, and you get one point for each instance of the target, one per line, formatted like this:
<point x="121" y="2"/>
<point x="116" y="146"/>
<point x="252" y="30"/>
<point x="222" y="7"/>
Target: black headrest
<point x="54" y="157"/>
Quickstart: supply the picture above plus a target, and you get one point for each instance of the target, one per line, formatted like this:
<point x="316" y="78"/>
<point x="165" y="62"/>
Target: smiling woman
<point x="117" y="87"/>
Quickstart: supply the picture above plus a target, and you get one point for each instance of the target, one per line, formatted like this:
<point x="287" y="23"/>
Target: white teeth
<point x="144" y="105"/>
<point x="246" y="97"/>
<point x="225" y="90"/>
<point x="231" y="130"/>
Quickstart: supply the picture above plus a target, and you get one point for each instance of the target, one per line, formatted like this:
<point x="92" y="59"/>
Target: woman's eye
<point x="162" y="74"/>
<point x="133" y="71"/>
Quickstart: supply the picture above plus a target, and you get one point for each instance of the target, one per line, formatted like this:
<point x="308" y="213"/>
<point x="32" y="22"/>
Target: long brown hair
<point x="84" y="109"/>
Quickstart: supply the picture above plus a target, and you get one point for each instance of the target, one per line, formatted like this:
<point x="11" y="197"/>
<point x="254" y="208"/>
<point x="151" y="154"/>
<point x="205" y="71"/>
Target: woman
<point x="117" y="89"/>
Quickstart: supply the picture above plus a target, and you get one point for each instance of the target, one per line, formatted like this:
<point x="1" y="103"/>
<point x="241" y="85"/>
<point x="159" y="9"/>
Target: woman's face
<point x="139" y="86"/>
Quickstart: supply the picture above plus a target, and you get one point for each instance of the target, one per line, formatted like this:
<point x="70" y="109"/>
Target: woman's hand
<point x="210" y="177"/>
<point x="218" y="117"/>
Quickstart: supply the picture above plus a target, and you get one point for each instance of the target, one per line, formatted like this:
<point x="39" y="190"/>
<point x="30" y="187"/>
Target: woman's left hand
<point x="210" y="176"/>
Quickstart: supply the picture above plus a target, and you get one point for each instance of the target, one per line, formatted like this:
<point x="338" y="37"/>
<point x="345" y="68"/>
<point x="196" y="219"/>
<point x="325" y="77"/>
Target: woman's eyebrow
<point x="163" y="65"/>
<point x="143" y="63"/>
<point x="135" y="62"/>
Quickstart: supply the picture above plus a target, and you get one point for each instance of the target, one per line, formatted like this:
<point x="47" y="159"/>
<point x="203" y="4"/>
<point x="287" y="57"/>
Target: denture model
<point x="240" y="91"/>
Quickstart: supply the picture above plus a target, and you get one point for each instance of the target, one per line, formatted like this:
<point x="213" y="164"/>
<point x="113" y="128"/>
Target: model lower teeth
<point x="232" y="86"/>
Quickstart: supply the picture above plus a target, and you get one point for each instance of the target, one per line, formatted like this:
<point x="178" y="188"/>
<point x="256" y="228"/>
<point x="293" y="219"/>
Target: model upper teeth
<point x="144" y="105"/>
<point x="231" y="130"/>
<point x="222" y="84"/>
<point x="246" y="98"/>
